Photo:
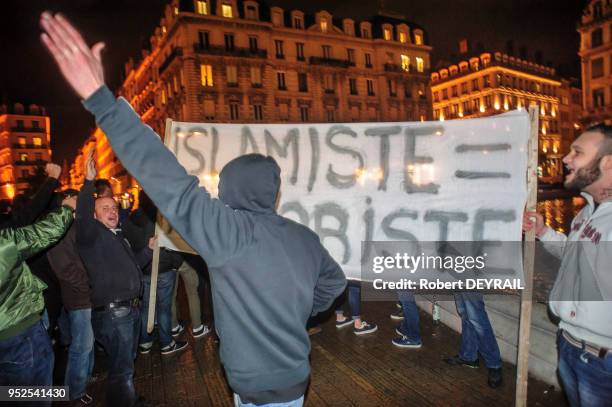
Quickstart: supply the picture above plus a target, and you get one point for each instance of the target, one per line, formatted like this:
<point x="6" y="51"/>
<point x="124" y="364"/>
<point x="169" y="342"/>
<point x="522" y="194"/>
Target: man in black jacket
<point x="115" y="280"/>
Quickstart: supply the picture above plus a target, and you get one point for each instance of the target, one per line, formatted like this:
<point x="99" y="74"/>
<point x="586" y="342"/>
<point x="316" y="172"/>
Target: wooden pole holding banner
<point x="155" y="262"/>
<point x="524" y="341"/>
<point x="153" y="290"/>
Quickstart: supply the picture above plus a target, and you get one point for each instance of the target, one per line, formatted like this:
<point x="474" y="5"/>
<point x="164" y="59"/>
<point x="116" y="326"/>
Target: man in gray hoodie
<point x="268" y="273"/>
<point x="582" y="294"/>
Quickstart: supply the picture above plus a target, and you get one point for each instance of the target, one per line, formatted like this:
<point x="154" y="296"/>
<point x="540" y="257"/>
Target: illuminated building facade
<point x="595" y="30"/>
<point x="229" y="61"/>
<point x="492" y="83"/>
<point x="24" y="145"/>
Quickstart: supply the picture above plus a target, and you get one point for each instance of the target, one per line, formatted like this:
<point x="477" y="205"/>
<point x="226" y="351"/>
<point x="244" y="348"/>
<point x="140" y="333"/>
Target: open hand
<point x="90" y="166"/>
<point x="80" y="65"/>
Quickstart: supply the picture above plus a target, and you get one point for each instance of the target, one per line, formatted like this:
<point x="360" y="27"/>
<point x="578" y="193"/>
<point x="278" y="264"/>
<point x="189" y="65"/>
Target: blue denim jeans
<point x="295" y="403"/>
<point x="26" y="359"/>
<point x="163" y="307"/>
<point x="476" y="332"/>
<point x="354" y="299"/>
<point x="410" y="325"/>
<point x="586" y="379"/>
<point x="117" y="331"/>
<point x="79" y="332"/>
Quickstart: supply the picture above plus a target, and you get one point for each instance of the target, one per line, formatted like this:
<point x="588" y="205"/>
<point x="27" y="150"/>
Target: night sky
<point x="28" y="74"/>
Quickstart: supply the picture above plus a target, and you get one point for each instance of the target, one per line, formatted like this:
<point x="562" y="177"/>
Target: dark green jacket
<point x="21" y="300"/>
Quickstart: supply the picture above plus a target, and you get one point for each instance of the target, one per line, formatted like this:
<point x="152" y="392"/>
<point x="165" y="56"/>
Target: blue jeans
<point x="586" y="379"/>
<point x="295" y="403"/>
<point x="410" y="325"/>
<point x="354" y="299"/>
<point x="81" y="351"/>
<point x="163" y="308"/>
<point x="117" y="331"/>
<point x="26" y="359"/>
<point x="476" y="332"/>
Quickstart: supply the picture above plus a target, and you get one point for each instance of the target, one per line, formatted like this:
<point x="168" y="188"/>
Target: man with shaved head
<point x="115" y="278"/>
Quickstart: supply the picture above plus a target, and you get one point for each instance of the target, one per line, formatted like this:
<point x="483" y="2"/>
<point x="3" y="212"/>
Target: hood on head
<point x="250" y="182"/>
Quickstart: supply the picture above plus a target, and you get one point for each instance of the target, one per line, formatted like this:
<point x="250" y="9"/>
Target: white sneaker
<point x="200" y="331"/>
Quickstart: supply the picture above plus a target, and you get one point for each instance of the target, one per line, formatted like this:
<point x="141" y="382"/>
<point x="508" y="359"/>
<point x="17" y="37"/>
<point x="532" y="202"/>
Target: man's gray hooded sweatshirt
<point x="268" y="273"/>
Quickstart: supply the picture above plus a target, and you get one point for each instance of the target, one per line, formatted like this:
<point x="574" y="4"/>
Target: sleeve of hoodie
<point x="330" y="283"/>
<point x="553" y="242"/>
<point x="206" y="224"/>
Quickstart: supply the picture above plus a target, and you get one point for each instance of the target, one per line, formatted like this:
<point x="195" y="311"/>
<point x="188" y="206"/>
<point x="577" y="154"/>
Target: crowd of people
<point x="86" y="281"/>
<point x="269" y="275"/>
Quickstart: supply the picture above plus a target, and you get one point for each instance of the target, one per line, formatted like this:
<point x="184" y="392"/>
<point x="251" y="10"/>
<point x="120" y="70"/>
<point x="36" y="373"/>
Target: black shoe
<point x="495" y="377"/>
<point x="345" y="322"/>
<point x="145" y="348"/>
<point x="457" y="361"/>
<point x="174" y="347"/>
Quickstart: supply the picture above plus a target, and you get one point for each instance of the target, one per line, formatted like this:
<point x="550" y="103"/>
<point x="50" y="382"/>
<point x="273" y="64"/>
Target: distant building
<point x="595" y="30"/>
<point x="243" y="62"/>
<point x="24" y="145"/>
<point x="492" y="83"/>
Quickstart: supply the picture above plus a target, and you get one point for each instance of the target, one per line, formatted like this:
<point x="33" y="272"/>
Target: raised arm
<point x="38" y="203"/>
<point x="209" y="226"/>
<point x="86" y="223"/>
<point x="40" y="235"/>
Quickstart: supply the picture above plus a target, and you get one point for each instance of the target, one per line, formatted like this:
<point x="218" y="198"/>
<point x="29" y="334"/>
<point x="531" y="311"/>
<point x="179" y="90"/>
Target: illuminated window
<point x="387" y="34"/>
<point x="418" y="39"/>
<point x="206" y="75"/>
<point x="163" y="96"/>
<point x="255" y="76"/>
<point x="405" y="62"/>
<point x="324" y="25"/>
<point x="202" y="7"/>
<point x="403" y="38"/>
<point x="176" y="11"/>
<point x="22" y="141"/>
<point x="232" y="75"/>
<point x="420" y="64"/>
<point x="37" y="141"/>
<point x="226" y="10"/>
<point x="163" y="29"/>
<point x="23" y="157"/>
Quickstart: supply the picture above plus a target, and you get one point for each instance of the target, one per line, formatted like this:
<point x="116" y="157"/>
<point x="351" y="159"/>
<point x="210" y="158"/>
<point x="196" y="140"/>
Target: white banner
<point x="462" y="180"/>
